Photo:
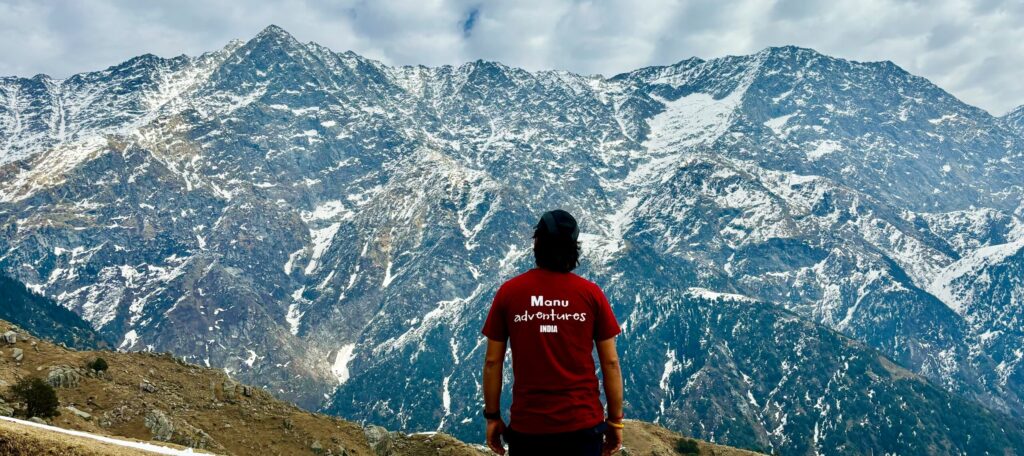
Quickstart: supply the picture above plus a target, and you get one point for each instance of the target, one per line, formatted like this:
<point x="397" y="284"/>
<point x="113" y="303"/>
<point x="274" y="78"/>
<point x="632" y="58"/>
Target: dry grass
<point x="645" y="439"/>
<point x="20" y="440"/>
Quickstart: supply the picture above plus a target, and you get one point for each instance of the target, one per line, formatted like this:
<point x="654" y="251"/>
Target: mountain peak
<point x="274" y="36"/>
<point x="789" y="49"/>
<point x="273" y="30"/>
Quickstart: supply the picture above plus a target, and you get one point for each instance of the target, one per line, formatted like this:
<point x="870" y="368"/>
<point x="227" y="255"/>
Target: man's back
<point x="551" y="320"/>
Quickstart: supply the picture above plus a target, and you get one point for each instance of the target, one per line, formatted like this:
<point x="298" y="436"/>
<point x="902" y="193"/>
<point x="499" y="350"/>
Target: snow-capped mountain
<point x="334" y="228"/>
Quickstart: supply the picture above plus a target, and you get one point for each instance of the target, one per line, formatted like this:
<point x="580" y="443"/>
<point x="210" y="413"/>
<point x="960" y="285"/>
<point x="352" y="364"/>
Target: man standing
<point x="553" y="319"/>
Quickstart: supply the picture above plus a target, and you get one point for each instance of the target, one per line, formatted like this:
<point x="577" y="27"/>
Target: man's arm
<point x="612" y="374"/>
<point x="493" y="364"/>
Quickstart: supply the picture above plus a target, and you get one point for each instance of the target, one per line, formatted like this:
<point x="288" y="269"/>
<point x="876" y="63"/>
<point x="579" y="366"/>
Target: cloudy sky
<point x="974" y="49"/>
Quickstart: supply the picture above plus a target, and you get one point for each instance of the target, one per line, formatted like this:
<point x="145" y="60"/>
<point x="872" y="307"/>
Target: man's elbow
<point x="491" y="364"/>
<point x="610" y="364"/>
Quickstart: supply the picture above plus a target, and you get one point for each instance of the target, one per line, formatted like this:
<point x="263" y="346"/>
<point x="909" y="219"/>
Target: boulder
<point x="168" y="429"/>
<point x="382" y="441"/>
<point x="160" y="425"/>
<point x="18" y="355"/>
<point x="64" y="377"/>
<point x="247" y="391"/>
<point x="5" y="409"/>
<point x="10" y="337"/>
<point x="79" y="413"/>
<point x="37" y="420"/>
<point x="147" y="387"/>
<point x="229" y="388"/>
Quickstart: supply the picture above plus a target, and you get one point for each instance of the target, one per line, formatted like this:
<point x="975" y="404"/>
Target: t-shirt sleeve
<point x="605" y="324"/>
<point x="496" y="327"/>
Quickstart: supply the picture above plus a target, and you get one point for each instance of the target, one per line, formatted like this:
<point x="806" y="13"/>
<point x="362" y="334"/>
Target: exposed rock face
<point x="159" y="425"/>
<point x="10" y="337"/>
<point x="64" y="377"/>
<point x="168" y="429"/>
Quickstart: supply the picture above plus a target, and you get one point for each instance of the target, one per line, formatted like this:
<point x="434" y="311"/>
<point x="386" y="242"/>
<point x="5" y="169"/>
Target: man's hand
<point x="612" y="440"/>
<point x="494" y="430"/>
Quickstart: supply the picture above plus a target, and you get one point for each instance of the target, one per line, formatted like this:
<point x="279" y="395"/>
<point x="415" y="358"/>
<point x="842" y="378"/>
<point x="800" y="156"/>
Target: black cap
<point x="559" y="222"/>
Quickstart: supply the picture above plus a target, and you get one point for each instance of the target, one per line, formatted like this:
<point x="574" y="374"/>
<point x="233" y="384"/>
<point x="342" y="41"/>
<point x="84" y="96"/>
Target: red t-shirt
<point x="552" y="320"/>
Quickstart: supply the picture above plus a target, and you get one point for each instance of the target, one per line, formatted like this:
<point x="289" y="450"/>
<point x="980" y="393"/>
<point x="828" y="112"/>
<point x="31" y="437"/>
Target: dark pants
<point x="584" y="442"/>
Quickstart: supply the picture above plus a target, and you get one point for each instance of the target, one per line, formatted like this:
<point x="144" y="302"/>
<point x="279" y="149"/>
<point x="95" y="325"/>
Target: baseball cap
<point x="559" y="222"/>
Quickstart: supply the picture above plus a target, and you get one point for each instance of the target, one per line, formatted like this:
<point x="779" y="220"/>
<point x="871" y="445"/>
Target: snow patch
<point x="341" y="360"/>
<point x="130" y="339"/>
<point x="251" y="359"/>
<point x="777" y="123"/>
<point x="823" y="148"/>
<point x="321" y="242"/>
<point x="946" y="285"/>
<point x="713" y="295"/>
<point x="294" y="318"/>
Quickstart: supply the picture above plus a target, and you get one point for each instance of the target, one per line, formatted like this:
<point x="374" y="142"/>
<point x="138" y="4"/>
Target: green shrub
<point x="687" y="447"/>
<point x="99" y="365"/>
<point x="39" y="397"/>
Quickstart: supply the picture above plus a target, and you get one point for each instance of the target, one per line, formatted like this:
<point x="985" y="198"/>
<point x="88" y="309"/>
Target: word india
<point x="551" y="315"/>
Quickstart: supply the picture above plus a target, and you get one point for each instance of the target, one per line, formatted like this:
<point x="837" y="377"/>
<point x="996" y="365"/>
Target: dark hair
<point x="555" y="252"/>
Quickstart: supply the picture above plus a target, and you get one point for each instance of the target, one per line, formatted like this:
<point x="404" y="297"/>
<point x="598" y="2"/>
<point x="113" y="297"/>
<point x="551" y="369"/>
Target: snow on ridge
<point x="697" y="118"/>
<point x="944" y="285"/>
<point x="51" y="169"/>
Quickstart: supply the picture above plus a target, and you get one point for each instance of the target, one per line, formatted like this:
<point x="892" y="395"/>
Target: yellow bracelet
<point x="615" y="425"/>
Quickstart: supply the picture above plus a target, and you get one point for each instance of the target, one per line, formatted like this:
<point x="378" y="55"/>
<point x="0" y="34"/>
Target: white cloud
<point x="971" y="48"/>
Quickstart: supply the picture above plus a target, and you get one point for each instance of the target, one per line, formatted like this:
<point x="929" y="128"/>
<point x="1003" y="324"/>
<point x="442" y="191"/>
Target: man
<point x="553" y="319"/>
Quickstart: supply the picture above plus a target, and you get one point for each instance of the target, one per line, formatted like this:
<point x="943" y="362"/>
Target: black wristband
<point x="492" y="416"/>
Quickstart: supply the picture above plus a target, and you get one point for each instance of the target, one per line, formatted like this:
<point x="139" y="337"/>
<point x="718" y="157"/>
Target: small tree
<point x="39" y="397"/>
<point x="99" y="365"/>
<point x="687" y="447"/>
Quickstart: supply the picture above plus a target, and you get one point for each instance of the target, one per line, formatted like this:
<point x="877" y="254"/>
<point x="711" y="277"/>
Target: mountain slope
<point x="44" y="317"/>
<point x="1015" y="119"/>
<point x="313" y="221"/>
